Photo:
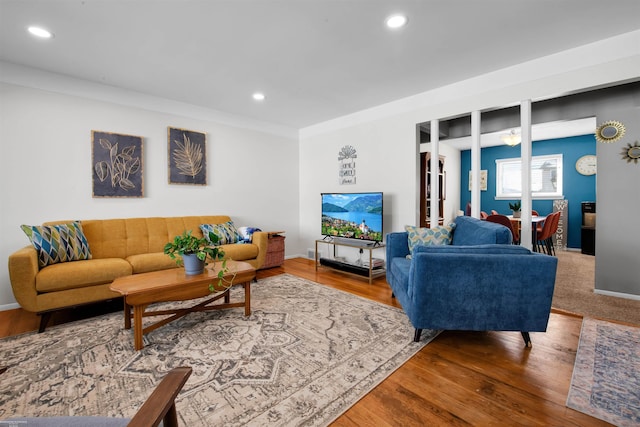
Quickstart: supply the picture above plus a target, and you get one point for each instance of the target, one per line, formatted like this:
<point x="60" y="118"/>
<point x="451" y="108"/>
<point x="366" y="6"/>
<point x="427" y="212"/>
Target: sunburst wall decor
<point x="631" y="153"/>
<point x="610" y="131"/>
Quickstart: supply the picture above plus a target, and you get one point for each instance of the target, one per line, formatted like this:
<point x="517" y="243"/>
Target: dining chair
<point x="544" y="241"/>
<point x="503" y="220"/>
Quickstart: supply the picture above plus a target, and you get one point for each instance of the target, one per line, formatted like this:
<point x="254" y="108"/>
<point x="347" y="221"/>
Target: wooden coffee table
<point x="140" y="290"/>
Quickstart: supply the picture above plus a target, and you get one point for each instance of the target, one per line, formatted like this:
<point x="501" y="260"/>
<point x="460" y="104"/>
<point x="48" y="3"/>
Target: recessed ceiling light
<point x="258" y="96"/>
<point x="40" y="32"/>
<point x="396" y="21"/>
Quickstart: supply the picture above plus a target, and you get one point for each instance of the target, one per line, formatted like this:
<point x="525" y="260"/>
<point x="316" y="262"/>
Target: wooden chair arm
<point x="160" y="406"/>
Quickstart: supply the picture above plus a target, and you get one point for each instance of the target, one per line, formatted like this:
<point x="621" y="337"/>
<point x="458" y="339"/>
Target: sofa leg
<point x="44" y="319"/>
<point x="416" y="335"/>
<point x="527" y="339"/>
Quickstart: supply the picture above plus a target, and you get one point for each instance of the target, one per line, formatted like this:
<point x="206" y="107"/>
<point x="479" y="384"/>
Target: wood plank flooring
<point x="461" y="378"/>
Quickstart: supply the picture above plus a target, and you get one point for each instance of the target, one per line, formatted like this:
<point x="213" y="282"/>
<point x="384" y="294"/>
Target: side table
<point x="275" y="250"/>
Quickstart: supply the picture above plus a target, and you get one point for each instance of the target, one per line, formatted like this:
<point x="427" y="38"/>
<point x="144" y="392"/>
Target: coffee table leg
<point x="247" y="298"/>
<point x="138" y="310"/>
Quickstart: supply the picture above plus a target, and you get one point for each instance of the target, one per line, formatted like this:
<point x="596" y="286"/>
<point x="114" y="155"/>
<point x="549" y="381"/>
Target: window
<point x="546" y="178"/>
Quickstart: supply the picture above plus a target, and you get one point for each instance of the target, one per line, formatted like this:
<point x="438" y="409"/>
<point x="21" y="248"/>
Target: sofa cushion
<point x="240" y="252"/>
<point x="80" y="274"/>
<point x="471" y="231"/>
<point x="440" y="235"/>
<point x="226" y="232"/>
<point x="144" y="263"/>
<point x="58" y="243"/>
<point x="477" y="249"/>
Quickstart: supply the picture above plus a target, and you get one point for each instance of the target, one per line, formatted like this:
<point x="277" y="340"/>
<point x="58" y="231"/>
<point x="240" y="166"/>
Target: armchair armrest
<point x="23" y="268"/>
<point x="161" y="406"/>
<point x="261" y="238"/>
<point x="397" y="245"/>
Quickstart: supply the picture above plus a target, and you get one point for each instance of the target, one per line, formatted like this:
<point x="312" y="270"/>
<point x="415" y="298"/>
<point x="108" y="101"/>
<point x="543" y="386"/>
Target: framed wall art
<point x="117" y="165"/>
<point x="187" y="157"/>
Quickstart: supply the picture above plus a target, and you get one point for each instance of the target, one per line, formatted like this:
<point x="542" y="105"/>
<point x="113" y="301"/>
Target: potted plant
<point x="515" y="207"/>
<point x="194" y="252"/>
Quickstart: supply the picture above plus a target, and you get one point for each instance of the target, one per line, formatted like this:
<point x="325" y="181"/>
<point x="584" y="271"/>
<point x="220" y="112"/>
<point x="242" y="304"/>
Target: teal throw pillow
<point x="226" y="232"/>
<point x="440" y="235"/>
<point x="58" y="243"/>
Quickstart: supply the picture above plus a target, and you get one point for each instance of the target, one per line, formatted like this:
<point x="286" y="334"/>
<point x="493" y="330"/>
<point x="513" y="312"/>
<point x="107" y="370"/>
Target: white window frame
<point x="511" y="169"/>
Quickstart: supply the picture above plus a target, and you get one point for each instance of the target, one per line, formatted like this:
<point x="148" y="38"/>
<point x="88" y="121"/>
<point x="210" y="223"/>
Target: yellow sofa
<point x="119" y="247"/>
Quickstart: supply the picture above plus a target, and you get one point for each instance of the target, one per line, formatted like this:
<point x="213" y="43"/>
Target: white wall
<point x="385" y="136"/>
<point x="617" y="207"/>
<point x="45" y="169"/>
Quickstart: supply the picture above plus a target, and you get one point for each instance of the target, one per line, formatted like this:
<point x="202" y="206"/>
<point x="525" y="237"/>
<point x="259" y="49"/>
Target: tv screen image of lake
<point x="372" y="220"/>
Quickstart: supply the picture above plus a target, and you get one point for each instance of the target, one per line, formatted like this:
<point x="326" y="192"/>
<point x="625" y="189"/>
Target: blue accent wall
<point x="577" y="188"/>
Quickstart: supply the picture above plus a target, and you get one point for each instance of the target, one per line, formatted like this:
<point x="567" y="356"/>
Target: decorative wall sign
<point x="347" y="165"/>
<point x="560" y="238"/>
<point x="610" y="131"/>
<point x="483" y="180"/>
<point x="117" y="165"/>
<point x="187" y="157"/>
<point x="631" y="153"/>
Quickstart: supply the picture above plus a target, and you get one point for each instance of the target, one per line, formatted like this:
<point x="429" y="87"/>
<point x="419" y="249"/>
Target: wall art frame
<point x="117" y="165"/>
<point x="187" y="156"/>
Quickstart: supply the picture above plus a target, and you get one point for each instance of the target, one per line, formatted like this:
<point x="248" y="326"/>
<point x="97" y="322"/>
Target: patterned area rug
<point x="305" y="355"/>
<point x="606" y="376"/>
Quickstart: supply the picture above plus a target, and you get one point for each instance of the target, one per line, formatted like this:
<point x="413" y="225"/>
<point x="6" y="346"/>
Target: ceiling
<point x="314" y="60"/>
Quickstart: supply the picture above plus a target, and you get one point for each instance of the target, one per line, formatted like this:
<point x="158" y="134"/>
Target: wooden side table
<point x="275" y="250"/>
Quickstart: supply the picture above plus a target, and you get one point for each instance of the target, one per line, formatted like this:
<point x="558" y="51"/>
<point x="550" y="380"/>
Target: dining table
<point x="535" y="220"/>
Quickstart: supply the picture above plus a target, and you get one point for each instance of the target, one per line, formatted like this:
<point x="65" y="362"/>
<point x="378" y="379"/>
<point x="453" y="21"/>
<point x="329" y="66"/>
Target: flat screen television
<point x="352" y="216"/>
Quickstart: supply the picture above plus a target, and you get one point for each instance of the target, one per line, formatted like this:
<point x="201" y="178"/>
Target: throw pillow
<point x="246" y="233"/>
<point x="440" y="235"/>
<point x="226" y="232"/>
<point x="58" y="243"/>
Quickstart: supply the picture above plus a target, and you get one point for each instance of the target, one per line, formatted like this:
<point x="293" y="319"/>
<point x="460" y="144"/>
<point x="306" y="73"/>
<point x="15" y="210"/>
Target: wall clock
<point x="586" y="165"/>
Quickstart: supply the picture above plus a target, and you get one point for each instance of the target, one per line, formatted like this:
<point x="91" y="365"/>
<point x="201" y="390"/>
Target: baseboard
<point x="617" y="294"/>
<point x="6" y="307"/>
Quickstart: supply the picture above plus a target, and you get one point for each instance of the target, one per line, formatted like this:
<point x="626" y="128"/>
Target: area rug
<point x="606" y="375"/>
<point x="304" y="356"/>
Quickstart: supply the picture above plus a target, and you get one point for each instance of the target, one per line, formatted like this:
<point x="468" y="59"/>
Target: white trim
<point x="617" y="294"/>
<point x="6" y="307"/>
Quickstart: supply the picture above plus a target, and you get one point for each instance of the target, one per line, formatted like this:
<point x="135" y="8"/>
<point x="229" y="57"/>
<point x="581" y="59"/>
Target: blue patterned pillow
<point x="440" y="235"/>
<point x="226" y="232"/>
<point x="58" y="243"/>
<point x="246" y="233"/>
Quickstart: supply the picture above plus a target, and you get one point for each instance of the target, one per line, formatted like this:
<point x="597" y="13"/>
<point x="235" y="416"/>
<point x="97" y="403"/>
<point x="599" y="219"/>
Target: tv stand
<point x="370" y="267"/>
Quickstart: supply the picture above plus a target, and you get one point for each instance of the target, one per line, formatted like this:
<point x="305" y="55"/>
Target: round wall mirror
<point x="610" y="131"/>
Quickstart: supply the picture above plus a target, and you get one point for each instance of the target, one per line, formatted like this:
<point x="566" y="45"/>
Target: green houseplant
<point x="194" y="252"/>
<point x="515" y="207"/>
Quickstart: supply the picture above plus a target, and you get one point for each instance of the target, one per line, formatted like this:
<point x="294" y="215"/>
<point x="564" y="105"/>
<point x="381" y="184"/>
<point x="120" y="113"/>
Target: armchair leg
<point x="416" y="335"/>
<point x="44" y="319"/>
<point x="527" y="339"/>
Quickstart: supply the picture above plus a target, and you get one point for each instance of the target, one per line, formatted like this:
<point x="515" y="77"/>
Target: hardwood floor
<point x="461" y="378"/>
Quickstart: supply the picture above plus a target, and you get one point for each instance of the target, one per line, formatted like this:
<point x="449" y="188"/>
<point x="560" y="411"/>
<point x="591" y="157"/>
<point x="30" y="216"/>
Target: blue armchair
<point x="480" y="282"/>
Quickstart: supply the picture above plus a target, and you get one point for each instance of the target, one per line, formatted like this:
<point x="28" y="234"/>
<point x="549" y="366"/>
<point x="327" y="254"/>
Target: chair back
<point x="503" y="220"/>
<point x="550" y="226"/>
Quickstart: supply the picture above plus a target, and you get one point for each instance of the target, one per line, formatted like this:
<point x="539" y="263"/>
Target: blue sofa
<point x="480" y="282"/>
